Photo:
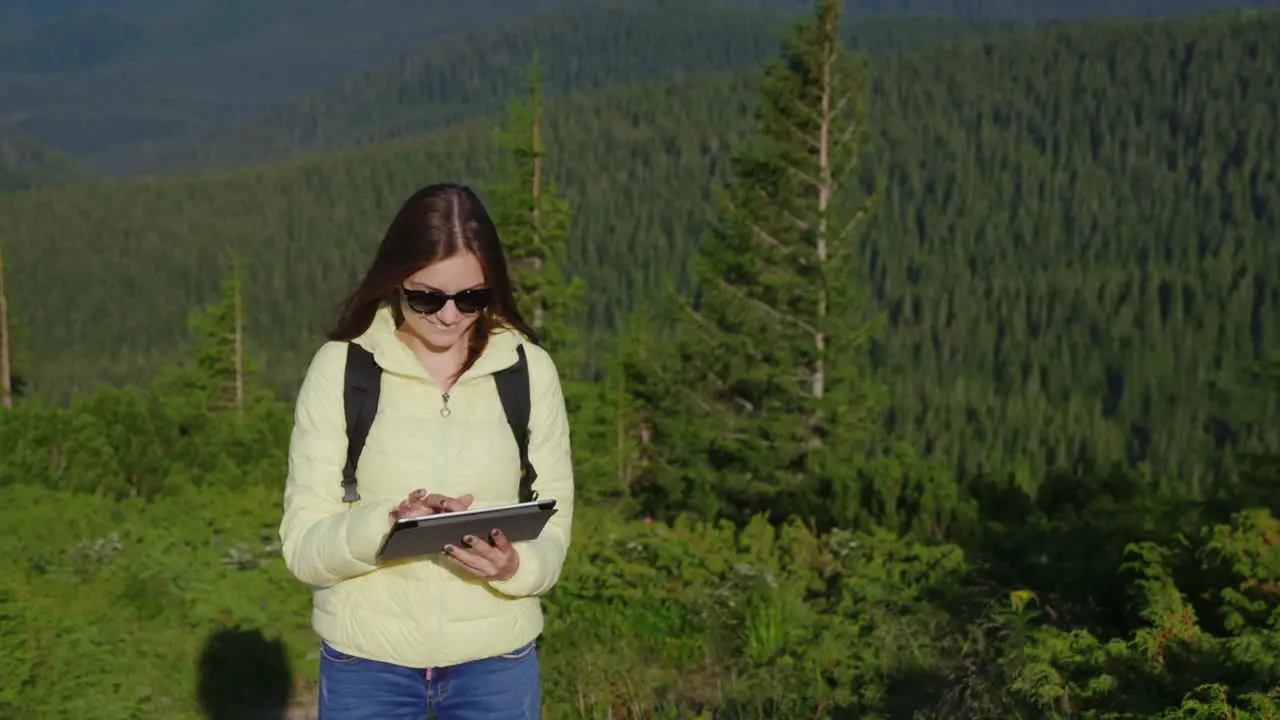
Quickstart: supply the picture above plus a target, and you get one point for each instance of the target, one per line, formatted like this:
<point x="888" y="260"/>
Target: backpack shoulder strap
<point x="513" y="390"/>
<point x="360" y="397"/>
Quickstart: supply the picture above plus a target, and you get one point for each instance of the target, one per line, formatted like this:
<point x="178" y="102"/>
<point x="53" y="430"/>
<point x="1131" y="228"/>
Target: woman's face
<point x="460" y="278"/>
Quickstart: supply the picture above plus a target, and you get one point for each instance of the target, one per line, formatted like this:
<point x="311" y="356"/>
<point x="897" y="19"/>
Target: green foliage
<point x="1176" y="654"/>
<point x="143" y="442"/>
<point x="104" y="604"/>
<point x="762" y="622"/>
<point x="650" y="620"/>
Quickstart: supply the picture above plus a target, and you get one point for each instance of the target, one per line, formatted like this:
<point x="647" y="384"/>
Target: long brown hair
<point x="435" y="223"/>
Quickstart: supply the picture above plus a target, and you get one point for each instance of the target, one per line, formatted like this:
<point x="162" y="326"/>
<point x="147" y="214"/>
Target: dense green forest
<point x="1071" y="245"/>
<point x="1028" y="210"/>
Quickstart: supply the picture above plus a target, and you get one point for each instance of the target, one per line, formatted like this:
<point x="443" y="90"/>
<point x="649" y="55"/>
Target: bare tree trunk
<point x="824" y="202"/>
<point x="6" y="367"/>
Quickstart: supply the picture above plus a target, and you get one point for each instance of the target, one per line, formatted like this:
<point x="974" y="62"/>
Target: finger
<point x="476" y="564"/>
<point x="435" y="500"/>
<point x="411" y="509"/>
<point x="500" y="541"/>
<point x="415" y="503"/>
<point x="479" y="547"/>
<point x="459" y="503"/>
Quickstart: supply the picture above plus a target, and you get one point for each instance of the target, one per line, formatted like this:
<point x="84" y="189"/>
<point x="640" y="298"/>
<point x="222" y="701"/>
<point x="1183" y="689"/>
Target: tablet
<point x="428" y="535"/>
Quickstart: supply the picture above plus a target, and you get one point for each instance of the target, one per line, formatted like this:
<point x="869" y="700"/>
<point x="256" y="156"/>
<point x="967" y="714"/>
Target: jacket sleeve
<point x="323" y="540"/>
<point x="542" y="559"/>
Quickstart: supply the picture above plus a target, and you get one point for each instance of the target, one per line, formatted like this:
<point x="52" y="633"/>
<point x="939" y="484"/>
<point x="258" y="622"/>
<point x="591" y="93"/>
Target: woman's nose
<point x="449" y="313"/>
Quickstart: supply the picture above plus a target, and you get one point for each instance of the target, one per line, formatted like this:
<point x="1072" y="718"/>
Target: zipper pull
<point x="444" y="409"/>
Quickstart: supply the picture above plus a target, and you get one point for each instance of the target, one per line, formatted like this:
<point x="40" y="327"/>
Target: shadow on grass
<point x="244" y="676"/>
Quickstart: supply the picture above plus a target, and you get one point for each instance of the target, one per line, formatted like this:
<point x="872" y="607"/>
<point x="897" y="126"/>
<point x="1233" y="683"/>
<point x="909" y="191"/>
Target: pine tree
<point x="218" y="368"/>
<point x="608" y="429"/>
<point x="534" y="224"/>
<point x="222" y="352"/>
<point x="763" y="403"/>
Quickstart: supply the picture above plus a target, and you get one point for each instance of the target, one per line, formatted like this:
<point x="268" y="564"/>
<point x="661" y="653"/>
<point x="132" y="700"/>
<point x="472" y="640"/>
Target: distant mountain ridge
<point x="21" y="16"/>
<point x="474" y="74"/>
<point x="26" y="164"/>
<point x="94" y="81"/>
<point x="103" y="80"/>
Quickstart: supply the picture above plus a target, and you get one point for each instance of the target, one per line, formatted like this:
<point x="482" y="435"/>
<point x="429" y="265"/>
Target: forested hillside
<point x="471" y="76"/>
<point x="1072" y="243"/>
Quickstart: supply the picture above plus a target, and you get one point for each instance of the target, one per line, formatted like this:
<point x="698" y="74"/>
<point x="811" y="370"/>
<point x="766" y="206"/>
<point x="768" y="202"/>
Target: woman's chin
<point x="441" y="338"/>
<point x="432" y="336"/>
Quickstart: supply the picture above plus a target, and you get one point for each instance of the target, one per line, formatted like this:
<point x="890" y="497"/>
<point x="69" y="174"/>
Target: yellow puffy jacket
<point x="427" y="612"/>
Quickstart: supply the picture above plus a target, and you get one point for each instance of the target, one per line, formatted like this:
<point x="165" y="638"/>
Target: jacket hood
<point x="394" y="356"/>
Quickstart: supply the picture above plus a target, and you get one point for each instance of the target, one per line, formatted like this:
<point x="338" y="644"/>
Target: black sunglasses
<point x="429" y="302"/>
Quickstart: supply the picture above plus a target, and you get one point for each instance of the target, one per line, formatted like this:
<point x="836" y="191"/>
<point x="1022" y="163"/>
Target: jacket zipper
<point x="444" y="413"/>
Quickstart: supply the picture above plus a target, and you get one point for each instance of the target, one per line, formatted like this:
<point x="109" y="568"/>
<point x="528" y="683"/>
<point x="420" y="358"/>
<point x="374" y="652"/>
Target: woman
<point x="450" y="635"/>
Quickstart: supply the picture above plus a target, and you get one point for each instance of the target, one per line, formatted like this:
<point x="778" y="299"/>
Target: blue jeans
<point x="505" y="687"/>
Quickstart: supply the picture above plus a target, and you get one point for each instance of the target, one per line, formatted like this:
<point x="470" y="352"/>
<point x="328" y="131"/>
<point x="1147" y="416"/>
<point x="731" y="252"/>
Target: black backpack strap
<point x="513" y="390"/>
<point x="360" y="396"/>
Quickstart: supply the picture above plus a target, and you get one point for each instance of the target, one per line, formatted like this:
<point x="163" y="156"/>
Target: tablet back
<point x="429" y="535"/>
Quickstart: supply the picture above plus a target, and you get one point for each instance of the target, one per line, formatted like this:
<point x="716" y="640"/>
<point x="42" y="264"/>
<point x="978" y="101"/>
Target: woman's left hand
<point x="492" y="561"/>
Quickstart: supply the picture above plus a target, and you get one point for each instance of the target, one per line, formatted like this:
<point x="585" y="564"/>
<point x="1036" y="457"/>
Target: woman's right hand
<point x="421" y="503"/>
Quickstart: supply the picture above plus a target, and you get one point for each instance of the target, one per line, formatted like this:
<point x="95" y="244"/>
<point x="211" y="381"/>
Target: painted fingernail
<point x="497" y="533"/>
<point x="469" y="541"/>
<point x="448" y="548"/>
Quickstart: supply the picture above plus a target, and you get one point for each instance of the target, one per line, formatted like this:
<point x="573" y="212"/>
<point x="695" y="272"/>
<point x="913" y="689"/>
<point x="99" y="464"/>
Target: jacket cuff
<point x="528" y="577"/>
<point x="367" y="528"/>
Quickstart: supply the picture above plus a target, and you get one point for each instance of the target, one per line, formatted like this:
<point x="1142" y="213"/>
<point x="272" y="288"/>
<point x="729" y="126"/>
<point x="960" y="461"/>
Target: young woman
<point x="450" y="635"/>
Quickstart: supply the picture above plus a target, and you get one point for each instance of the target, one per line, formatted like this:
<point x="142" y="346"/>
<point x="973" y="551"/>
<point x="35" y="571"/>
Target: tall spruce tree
<point x="763" y="403"/>
<point x="533" y="221"/>
<point x="218" y="369"/>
